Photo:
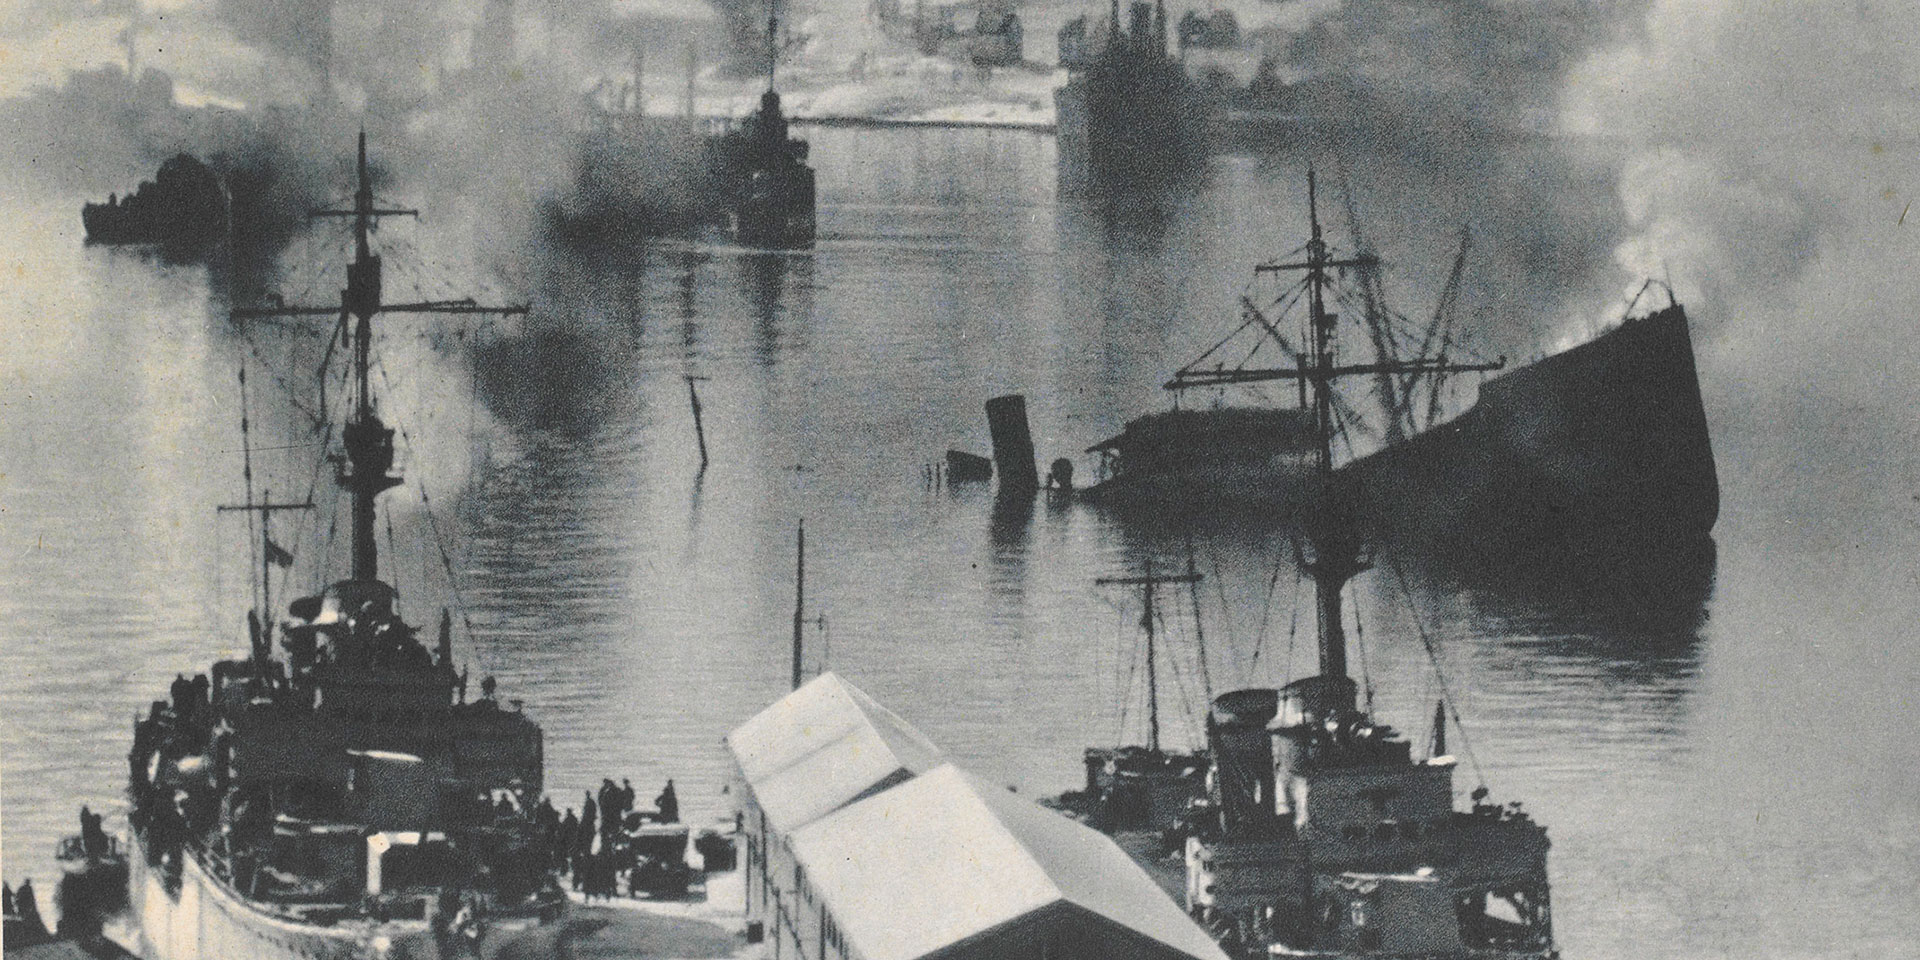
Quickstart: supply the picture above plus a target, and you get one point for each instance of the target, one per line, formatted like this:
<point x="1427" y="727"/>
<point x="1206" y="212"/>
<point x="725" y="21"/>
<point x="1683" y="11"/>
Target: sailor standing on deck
<point x="587" y="811"/>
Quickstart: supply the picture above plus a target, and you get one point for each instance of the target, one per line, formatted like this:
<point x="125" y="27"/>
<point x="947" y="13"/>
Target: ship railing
<point x="74" y="848"/>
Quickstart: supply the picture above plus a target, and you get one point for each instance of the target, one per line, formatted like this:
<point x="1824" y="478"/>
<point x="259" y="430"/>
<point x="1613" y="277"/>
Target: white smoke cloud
<point x="1769" y="156"/>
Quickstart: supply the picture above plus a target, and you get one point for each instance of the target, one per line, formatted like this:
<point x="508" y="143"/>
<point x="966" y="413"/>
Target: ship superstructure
<point x="336" y="794"/>
<point x="1322" y="834"/>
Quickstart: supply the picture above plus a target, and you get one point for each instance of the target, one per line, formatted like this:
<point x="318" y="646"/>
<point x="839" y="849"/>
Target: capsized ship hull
<point x="1604" y="446"/>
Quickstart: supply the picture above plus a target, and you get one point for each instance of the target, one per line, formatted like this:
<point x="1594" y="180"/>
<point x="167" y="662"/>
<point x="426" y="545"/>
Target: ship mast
<point x="773" y="43"/>
<point x="1146" y="583"/>
<point x="1334" y="542"/>
<point x="368" y="441"/>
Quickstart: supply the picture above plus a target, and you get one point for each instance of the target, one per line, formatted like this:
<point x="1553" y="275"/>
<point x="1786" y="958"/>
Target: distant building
<point x="863" y="845"/>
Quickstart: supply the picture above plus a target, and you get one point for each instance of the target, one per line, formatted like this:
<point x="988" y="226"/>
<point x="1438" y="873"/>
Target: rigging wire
<point x="246" y="472"/>
<point x="393" y="550"/>
<point x="1433" y="657"/>
<point x="1180" y="686"/>
<point x="1360" y="647"/>
<point x="453" y="583"/>
<point x="1220" y="587"/>
<point x="1199" y="633"/>
<point x="1293" y="627"/>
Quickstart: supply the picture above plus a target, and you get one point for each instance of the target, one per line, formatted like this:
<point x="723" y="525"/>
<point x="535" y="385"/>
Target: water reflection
<point x="642" y="607"/>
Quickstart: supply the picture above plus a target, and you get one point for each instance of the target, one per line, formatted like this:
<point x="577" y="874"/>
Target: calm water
<point x="1726" y="767"/>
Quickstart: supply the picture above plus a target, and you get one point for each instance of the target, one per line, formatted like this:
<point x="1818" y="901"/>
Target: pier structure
<point x="863" y="843"/>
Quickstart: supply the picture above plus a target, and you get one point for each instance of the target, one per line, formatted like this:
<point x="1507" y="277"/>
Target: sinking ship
<point x="335" y="794"/>
<point x="1603" y="447"/>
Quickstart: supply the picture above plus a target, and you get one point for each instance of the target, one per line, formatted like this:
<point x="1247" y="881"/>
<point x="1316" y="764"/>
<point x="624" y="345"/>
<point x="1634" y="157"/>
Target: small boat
<point x="1144" y="791"/>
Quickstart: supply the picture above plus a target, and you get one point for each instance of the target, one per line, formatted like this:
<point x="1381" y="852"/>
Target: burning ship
<point x="1603" y="448"/>
<point x="338" y="796"/>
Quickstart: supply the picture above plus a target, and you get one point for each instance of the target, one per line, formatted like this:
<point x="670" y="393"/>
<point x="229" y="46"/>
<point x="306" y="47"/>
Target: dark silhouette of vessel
<point x="183" y="204"/>
<point x="1128" y="120"/>
<point x="1601" y="450"/>
<point x="339" y="796"/>
<point x="642" y="176"/>
<point x="766" y="188"/>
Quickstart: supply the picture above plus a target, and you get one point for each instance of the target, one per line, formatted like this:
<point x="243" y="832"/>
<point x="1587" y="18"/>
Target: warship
<point x="1320" y="834"/>
<point x="639" y="176"/>
<point x="334" y="794"/>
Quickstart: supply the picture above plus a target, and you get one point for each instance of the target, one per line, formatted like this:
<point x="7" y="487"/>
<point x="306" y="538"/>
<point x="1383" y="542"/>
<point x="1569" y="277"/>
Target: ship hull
<point x="1597" y="454"/>
<point x="206" y="921"/>
<point x="1602" y="449"/>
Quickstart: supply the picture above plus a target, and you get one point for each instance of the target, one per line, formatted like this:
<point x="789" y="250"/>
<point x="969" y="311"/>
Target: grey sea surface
<point x="1725" y="763"/>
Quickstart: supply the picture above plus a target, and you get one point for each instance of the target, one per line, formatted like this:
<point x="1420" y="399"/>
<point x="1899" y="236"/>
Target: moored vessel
<point x="1321" y="834"/>
<point x="335" y="793"/>
<point x="1127" y="121"/>
<point x="1140" y="792"/>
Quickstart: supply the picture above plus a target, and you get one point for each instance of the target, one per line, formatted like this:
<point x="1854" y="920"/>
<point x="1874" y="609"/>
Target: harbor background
<point x="1724" y="769"/>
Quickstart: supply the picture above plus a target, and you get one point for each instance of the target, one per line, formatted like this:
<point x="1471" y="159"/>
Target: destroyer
<point x="338" y="796"/>
<point x="1320" y="834"/>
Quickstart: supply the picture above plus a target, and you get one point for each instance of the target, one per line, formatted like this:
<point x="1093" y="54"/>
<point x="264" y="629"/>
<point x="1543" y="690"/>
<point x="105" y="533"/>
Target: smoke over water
<point x="1437" y="117"/>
